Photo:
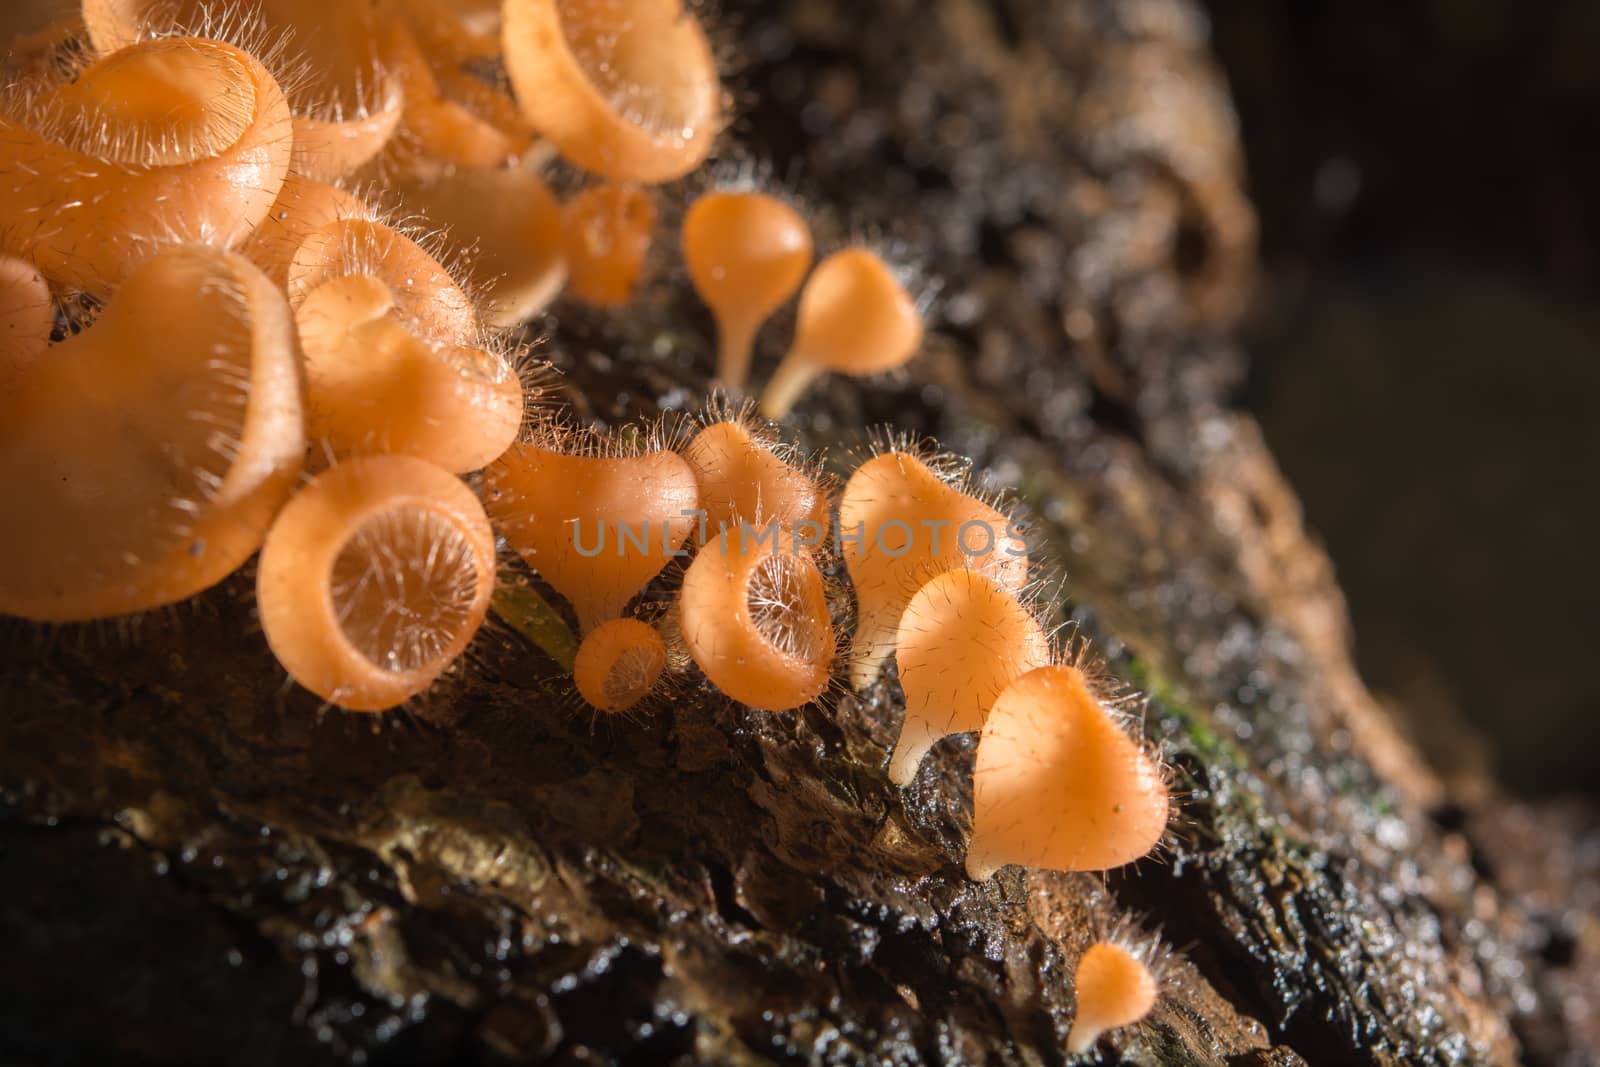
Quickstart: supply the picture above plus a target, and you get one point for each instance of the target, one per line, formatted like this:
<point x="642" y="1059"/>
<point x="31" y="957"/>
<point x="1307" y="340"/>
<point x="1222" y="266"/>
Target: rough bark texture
<point x="196" y="863"/>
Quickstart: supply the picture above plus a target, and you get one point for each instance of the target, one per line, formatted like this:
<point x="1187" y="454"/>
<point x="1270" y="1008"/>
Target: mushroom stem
<point x="736" y="338"/>
<point x="792" y="378"/>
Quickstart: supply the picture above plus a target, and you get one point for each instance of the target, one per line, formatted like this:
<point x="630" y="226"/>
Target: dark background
<point x="1426" y="351"/>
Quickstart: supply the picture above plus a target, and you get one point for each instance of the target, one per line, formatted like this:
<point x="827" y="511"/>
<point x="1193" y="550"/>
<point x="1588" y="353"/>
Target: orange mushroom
<point x="855" y="318"/>
<point x="1114" y="988"/>
<point x="608" y="229"/>
<point x="747" y="253"/>
<point x="374" y="579"/>
<point x="962" y="639"/>
<point x="755" y="618"/>
<point x="144" y="457"/>
<point x="745" y="476"/>
<point x="169" y="140"/>
<point x="597" y="520"/>
<point x="1059" y="784"/>
<point x="626" y="89"/>
<point x="619" y="664"/>
<point x="901" y="524"/>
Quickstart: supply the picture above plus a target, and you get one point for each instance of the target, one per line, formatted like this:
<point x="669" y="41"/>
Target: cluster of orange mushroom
<point x="212" y="346"/>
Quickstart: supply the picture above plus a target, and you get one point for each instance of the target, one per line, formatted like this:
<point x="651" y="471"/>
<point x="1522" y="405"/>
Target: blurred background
<point x="1426" y="347"/>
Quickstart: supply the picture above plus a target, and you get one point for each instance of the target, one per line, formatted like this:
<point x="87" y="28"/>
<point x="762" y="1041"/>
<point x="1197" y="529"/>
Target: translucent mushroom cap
<point x="962" y="639"/>
<point x="618" y="664"/>
<point x="1059" y="784"/>
<point x="743" y="480"/>
<point x="1114" y="988"/>
<point x="913" y="525"/>
<point x="596" y="527"/>
<point x="626" y="89"/>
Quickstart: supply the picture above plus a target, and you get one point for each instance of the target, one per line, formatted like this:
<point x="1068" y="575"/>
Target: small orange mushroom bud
<point x="962" y="639"/>
<point x="180" y="138"/>
<point x="1059" y="784"/>
<point x="144" y="457"/>
<point x="374" y="579"/>
<point x="755" y="618"/>
<point x="901" y="524"/>
<point x="391" y="353"/>
<point x="855" y="318"/>
<point x="744" y="478"/>
<point x="618" y="664"/>
<point x="345" y="98"/>
<point x="512" y="220"/>
<point x="626" y="89"/>
<point x="1114" y="988"/>
<point x="747" y="253"/>
<point x="597" y="525"/>
<point x="608" y="229"/>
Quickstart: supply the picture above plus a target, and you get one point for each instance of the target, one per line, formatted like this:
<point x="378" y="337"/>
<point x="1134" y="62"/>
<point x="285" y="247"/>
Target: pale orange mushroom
<point x="608" y="229"/>
<point x="619" y="664"/>
<point x="303" y="207"/>
<point x="346" y="98"/>
<point x="169" y="140"/>
<point x="747" y="253"/>
<point x="393" y="358"/>
<point x="144" y="457"/>
<point x="901" y="524"/>
<point x="626" y="89"/>
<point x="744" y="478"/>
<point x="374" y="579"/>
<point x="1114" y="988"/>
<point x="509" y="222"/>
<point x="855" y="318"/>
<point x="596" y="523"/>
<point x="1059" y="784"/>
<point x="755" y="618"/>
<point x="962" y="639"/>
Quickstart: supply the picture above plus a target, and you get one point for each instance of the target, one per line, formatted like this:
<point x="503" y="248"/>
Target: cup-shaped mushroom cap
<point x="346" y="99"/>
<point x="303" y="207"/>
<point x="755" y="618"/>
<point x="597" y="527"/>
<point x="1114" y="988"/>
<point x="392" y="363"/>
<point x="144" y="457"/>
<point x="452" y="119"/>
<point x="618" y="664"/>
<point x="625" y="89"/>
<point x="962" y="639"/>
<point x="374" y="578"/>
<point x="177" y="139"/>
<point x="607" y="230"/>
<point x="743" y="480"/>
<point x="511" y="222"/>
<point x="855" y="318"/>
<point x="747" y="253"/>
<point x="26" y="316"/>
<point x="913" y="526"/>
<point x="1058" y="783"/>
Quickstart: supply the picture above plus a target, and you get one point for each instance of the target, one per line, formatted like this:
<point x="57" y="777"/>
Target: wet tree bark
<point x="196" y="864"/>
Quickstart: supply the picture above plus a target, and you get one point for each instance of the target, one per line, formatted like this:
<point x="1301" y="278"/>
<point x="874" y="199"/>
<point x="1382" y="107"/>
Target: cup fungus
<point x="1114" y="988"/>
<point x="374" y="578"/>
<point x="962" y="639"/>
<point x="626" y="89"/>
<point x="144" y="457"/>
<point x="1059" y="784"/>
<point x="443" y="126"/>
<point x="513" y="221"/>
<point x="177" y="139"/>
<point x="619" y="664"/>
<point x="392" y="358"/>
<point x="747" y="253"/>
<point x="345" y="98"/>
<point x="744" y="476"/>
<point x="597" y="521"/>
<point x="855" y="318"/>
<point x="303" y="207"/>
<point x="755" y="618"/>
<point x="608" y="229"/>
<point x="900" y="525"/>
